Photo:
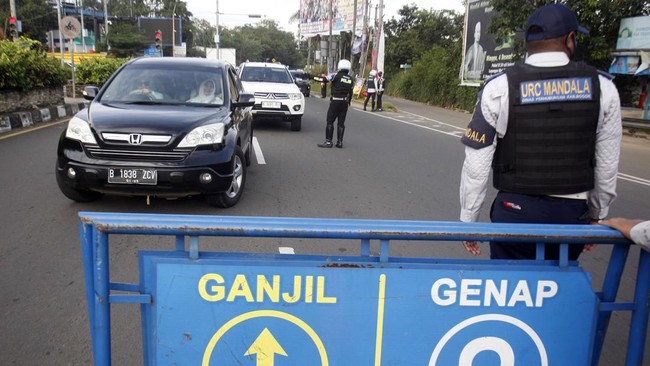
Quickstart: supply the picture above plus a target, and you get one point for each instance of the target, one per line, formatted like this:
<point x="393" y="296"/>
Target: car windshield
<point x="164" y="86"/>
<point x="266" y="74"/>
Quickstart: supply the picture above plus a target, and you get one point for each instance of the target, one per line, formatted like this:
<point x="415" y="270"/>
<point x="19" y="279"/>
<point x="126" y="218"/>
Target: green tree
<point x="263" y="41"/>
<point x="416" y="31"/>
<point x="126" y="40"/>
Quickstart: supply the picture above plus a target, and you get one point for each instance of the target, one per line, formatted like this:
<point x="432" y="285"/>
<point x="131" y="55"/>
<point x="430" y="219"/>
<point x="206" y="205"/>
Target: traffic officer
<point x="340" y="99"/>
<point x="381" y="85"/>
<point x="371" y="89"/>
<point x="550" y="130"/>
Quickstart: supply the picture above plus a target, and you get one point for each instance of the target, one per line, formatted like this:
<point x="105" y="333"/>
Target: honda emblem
<point x="135" y="139"/>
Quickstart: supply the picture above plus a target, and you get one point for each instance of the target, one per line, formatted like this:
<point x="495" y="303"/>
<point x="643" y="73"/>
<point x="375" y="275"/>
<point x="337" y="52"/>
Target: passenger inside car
<point x="208" y="92"/>
<point x="144" y="87"/>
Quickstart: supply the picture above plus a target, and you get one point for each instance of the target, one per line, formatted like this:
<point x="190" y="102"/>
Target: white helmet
<point x="345" y="65"/>
<point x="372" y="73"/>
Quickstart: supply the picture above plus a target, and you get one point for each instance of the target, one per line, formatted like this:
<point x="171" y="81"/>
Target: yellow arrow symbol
<point x="265" y="347"/>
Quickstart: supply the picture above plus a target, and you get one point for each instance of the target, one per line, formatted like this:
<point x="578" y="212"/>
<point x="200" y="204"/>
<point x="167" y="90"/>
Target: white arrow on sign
<point x="265" y="347"/>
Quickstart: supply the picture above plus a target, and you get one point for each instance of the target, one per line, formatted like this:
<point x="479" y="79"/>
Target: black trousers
<point x="521" y="208"/>
<point x="379" y="95"/>
<point x="338" y="109"/>
<point x="368" y="97"/>
<point x="323" y="90"/>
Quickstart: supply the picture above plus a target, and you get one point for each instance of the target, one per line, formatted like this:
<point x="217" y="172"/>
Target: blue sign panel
<point x="151" y="52"/>
<point x="555" y="90"/>
<point x="231" y="310"/>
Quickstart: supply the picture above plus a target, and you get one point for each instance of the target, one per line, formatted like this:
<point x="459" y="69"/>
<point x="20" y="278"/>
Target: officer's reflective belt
<point x="334" y="98"/>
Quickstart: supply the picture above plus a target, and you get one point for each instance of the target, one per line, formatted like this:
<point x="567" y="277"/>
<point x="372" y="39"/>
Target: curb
<point x="21" y="119"/>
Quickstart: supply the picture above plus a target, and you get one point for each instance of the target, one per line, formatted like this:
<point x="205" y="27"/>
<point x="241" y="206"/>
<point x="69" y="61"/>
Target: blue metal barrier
<point x="218" y="308"/>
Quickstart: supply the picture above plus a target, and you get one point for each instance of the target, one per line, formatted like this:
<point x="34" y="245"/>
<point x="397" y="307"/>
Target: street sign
<point x="70" y="27"/>
<point x="231" y="310"/>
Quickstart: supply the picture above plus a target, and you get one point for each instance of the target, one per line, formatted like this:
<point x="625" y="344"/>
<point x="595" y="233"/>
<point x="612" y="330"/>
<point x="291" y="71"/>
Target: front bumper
<point x="174" y="179"/>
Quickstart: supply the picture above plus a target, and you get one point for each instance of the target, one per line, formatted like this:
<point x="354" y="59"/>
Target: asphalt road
<point x="395" y="165"/>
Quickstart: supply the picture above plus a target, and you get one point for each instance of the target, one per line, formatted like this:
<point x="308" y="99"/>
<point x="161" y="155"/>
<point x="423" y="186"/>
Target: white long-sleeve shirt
<point x="493" y="104"/>
<point x="640" y="234"/>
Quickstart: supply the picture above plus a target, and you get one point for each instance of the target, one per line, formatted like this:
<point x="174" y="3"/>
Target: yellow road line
<point x="380" y="318"/>
<point x="32" y="128"/>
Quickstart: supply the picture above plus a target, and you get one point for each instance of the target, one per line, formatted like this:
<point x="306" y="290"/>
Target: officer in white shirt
<point x="550" y="131"/>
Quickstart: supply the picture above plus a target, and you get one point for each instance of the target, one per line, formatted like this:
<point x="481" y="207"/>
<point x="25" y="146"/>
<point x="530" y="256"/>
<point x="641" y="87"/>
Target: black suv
<point x="302" y="80"/>
<point x="166" y="127"/>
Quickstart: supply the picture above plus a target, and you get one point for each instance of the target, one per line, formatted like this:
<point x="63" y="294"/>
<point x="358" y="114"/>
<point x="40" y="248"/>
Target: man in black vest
<point x="550" y="131"/>
<point x="340" y="99"/>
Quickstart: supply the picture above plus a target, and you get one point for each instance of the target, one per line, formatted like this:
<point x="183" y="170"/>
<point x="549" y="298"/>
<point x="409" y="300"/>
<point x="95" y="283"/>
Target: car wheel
<point x="296" y="124"/>
<point x="76" y="194"/>
<point x="231" y="196"/>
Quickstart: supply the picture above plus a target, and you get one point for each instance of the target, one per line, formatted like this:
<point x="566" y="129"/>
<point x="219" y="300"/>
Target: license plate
<point x="132" y="176"/>
<point x="275" y="105"/>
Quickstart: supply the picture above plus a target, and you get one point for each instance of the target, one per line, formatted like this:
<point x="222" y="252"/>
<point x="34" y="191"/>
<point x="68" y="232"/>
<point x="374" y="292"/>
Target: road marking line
<point x="31" y="128"/>
<point x="634" y="179"/>
<point x="460" y="133"/>
<point x="286" y="250"/>
<point x="258" y="152"/>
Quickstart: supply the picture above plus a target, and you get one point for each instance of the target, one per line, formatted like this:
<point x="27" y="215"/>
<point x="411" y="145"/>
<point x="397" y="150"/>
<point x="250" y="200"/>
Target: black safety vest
<point x="342" y="85"/>
<point x="549" y="145"/>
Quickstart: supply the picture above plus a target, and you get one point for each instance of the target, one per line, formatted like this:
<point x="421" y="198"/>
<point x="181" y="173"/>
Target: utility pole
<point x="216" y="37"/>
<point x="108" y="47"/>
<point x="329" y="39"/>
<point x="174" y="30"/>
<point x="354" y="34"/>
<point x="379" y="26"/>
<point x="364" y="51"/>
<point x="83" y="40"/>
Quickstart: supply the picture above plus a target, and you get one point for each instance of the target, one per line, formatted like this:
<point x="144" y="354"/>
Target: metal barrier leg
<point x="102" y="310"/>
<point x="86" y="231"/>
<point x="610" y="289"/>
<point x="639" y="321"/>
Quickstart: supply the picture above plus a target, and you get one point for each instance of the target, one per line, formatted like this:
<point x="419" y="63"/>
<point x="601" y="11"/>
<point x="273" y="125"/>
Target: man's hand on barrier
<point x="472" y="247"/>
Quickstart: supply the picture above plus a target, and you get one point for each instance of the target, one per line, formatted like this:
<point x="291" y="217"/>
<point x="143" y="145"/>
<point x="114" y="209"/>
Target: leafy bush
<point x="24" y="66"/>
<point x="434" y="80"/>
<point x="96" y="71"/>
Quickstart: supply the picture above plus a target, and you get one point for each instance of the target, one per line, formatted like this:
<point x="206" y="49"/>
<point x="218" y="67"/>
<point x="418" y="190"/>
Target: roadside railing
<point x="211" y="308"/>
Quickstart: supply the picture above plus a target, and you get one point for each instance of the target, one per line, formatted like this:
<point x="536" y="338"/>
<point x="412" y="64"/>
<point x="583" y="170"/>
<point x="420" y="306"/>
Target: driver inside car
<point x="144" y="87"/>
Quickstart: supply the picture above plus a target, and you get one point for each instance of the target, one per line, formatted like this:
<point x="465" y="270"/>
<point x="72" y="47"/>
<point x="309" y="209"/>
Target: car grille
<point x="272" y="95"/>
<point x="258" y="107"/>
<point x="126" y="154"/>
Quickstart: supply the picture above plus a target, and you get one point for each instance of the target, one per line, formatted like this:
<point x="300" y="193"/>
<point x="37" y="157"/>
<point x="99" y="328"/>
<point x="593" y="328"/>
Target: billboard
<point x="483" y="55"/>
<point x="634" y="34"/>
<point x="315" y="16"/>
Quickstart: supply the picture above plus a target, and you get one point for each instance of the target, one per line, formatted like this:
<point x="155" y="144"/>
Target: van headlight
<point x="295" y="96"/>
<point x="79" y="130"/>
<point x="204" y="135"/>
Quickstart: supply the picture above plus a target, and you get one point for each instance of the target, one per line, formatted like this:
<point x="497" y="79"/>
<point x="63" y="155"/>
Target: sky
<point x="233" y="13"/>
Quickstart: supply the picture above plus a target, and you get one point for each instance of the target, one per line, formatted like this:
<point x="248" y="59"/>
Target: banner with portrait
<point x="315" y="16"/>
<point x="483" y="55"/>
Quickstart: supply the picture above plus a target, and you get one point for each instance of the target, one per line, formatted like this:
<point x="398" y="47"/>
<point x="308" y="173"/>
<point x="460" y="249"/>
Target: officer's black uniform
<point x="340" y="99"/>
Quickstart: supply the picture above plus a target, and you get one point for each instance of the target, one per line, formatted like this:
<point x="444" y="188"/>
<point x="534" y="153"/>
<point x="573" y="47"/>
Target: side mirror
<point x="245" y="100"/>
<point x="90" y="92"/>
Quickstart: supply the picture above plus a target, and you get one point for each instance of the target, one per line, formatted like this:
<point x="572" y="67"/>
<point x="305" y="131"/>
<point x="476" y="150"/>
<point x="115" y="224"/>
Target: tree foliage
<point x="96" y="71"/>
<point x="261" y="42"/>
<point x="24" y="66"/>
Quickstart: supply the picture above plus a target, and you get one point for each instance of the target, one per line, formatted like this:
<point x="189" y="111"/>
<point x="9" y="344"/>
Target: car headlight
<point x="295" y="96"/>
<point x="79" y="130"/>
<point x="204" y="135"/>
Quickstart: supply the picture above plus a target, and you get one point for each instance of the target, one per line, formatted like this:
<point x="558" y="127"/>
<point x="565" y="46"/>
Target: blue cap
<point x="552" y="21"/>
